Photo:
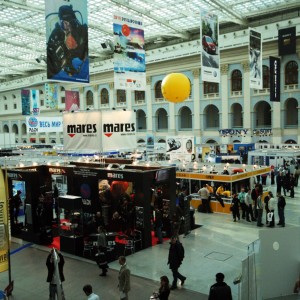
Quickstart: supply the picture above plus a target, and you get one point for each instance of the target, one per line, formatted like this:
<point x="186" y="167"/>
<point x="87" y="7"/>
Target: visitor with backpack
<point x="176" y="255"/>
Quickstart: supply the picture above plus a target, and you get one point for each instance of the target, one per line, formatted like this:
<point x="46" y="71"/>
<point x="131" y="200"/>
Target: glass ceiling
<point x="22" y="37"/>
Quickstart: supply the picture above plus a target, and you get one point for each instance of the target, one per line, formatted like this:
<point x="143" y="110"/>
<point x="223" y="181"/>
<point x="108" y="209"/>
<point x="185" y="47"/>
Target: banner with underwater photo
<point x="35" y="102"/>
<point x="67" y="40"/>
<point x="51" y="96"/>
<point x="210" y="56"/>
<point x="25" y="97"/>
<point x="72" y="100"/>
<point x="129" y="53"/>
<point x="255" y="59"/>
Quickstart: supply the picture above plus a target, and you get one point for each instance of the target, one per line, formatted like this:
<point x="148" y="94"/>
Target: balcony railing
<point x="291" y="87"/>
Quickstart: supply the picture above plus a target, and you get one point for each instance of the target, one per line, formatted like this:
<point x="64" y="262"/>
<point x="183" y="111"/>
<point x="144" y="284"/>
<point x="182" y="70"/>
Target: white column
<point x="150" y="123"/>
<point x="247" y="114"/>
<point x="224" y="113"/>
<point x="96" y="103"/>
<point x="111" y="95"/>
<point x="129" y="99"/>
<point x="171" y="117"/>
<point x="196" y="102"/>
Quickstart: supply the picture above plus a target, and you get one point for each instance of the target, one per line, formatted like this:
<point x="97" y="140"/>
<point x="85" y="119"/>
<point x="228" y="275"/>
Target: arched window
<point x="211" y="142"/>
<point x="266" y="77"/>
<point x="23" y="129"/>
<point x="121" y="96"/>
<point x="211" y="116"/>
<point x="236" y="81"/>
<point x="291" y="112"/>
<point x="141" y="120"/>
<point x="210" y="88"/>
<point x="157" y="90"/>
<point x="185" y="118"/>
<point x="291" y="73"/>
<point x="15" y="129"/>
<point x="104" y="98"/>
<point x="161" y="119"/>
<point x="5" y="128"/>
<point x="262" y="113"/>
<point x="89" y="98"/>
<point x="236" y="115"/>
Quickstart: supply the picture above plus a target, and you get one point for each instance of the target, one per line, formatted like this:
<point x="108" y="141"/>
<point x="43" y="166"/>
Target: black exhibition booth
<point x="84" y="190"/>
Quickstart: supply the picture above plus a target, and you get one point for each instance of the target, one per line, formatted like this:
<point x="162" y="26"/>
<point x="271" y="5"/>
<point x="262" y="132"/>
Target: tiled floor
<point x="218" y="246"/>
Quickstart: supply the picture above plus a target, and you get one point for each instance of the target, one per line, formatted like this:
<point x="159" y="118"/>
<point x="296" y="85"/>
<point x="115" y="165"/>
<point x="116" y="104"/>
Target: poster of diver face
<point x="180" y="145"/>
<point x="67" y="40"/>
<point x="210" y="57"/>
<point x="255" y="59"/>
<point x="129" y="53"/>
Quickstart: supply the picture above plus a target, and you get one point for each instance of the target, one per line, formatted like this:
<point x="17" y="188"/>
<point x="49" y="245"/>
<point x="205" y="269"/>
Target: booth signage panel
<point x="3" y="226"/>
<point x="82" y="131"/>
<point x="118" y="130"/>
<point x="36" y="124"/>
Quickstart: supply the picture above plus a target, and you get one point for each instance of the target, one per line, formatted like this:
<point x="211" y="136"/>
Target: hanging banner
<point x="82" y="130"/>
<point x="274" y="79"/>
<point x="129" y="53"/>
<point x="35" y="102"/>
<point x="51" y="96"/>
<point x="118" y="130"/>
<point x="72" y="100"/>
<point x="210" y="56"/>
<point x="44" y="124"/>
<point x="287" y="41"/>
<point x="150" y="142"/>
<point x="3" y="225"/>
<point x="255" y="59"/>
<point x="25" y="96"/>
<point x="67" y="40"/>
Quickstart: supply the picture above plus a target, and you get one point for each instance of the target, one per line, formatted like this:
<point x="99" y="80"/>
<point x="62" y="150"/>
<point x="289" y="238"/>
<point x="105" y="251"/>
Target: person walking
<point x="281" y="205"/>
<point x="204" y="195"/>
<point x="241" y="197"/>
<point x="175" y="258"/>
<point x="88" y="290"/>
<point x="53" y="274"/>
<point x="124" y="279"/>
<point x="260" y="209"/>
<point x="249" y="210"/>
<point x="220" y="290"/>
<point x="100" y="257"/>
<point x="235" y="208"/>
<point x="272" y="205"/>
<point x="164" y="289"/>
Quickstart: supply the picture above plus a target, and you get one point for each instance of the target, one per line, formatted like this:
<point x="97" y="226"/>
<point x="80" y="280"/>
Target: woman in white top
<point x="272" y="205"/>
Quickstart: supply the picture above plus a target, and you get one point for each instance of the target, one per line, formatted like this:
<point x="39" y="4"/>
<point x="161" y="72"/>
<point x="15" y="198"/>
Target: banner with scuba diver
<point x="25" y="96"/>
<point x="255" y="59"/>
<point x="35" y="102"/>
<point x="129" y="53"/>
<point x="67" y="40"/>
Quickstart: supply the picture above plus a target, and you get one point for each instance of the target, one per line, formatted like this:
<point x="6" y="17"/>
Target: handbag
<point x="270" y="216"/>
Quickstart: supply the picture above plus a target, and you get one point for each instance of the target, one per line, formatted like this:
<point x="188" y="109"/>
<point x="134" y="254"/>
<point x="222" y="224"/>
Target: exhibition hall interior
<point x="126" y="123"/>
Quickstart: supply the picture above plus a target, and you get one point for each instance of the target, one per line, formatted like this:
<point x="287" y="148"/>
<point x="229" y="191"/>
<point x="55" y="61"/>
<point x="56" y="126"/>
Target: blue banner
<point x="25" y="96"/>
<point x="51" y="96"/>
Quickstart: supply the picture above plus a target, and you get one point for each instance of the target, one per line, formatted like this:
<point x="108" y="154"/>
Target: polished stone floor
<point x="218" y="246"/>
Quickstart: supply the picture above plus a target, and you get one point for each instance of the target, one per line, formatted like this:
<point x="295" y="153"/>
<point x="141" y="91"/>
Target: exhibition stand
<point x="88" y="188"/>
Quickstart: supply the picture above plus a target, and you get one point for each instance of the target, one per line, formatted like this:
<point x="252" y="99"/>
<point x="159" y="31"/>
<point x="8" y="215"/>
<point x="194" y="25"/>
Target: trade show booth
<point x="122" y="194"/>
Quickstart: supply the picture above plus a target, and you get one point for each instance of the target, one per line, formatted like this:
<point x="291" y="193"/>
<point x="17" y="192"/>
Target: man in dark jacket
<point x="176" y="255"/>
<point x="220" y="290"/>
<point x="281" y="205"/>
<point x="52" y="274"/>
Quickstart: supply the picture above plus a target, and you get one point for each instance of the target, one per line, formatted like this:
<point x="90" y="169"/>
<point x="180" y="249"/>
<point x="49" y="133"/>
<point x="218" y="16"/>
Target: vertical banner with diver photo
<point x="129" y="53"/>
<point x="210" y="55"/>
<point x="67" y="40"/>
<point x="72" y="100"/>
<point x="35" y="102"/>
<point x="255" y="59"/>
<point x="51" y="96"/>
<point x="25" y="96"/>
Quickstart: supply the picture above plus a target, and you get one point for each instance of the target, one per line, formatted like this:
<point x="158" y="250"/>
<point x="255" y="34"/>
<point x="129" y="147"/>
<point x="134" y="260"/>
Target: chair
<point x="88" y="247"/>
<point x="129" y="246"/>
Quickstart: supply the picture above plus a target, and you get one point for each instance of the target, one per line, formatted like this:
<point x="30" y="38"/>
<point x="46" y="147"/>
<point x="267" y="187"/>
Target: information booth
<point x="238" y="176"/>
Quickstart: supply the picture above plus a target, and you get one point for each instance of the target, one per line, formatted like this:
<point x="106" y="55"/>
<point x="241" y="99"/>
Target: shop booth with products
<point x="117" y="196"/>
<point x="236" y="177"/>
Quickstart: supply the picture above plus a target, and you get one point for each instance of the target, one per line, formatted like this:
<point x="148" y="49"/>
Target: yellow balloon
<point x="176" y="87"/>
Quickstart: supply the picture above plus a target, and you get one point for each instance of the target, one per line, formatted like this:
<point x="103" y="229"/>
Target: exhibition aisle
<point x="218" y="246"/>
